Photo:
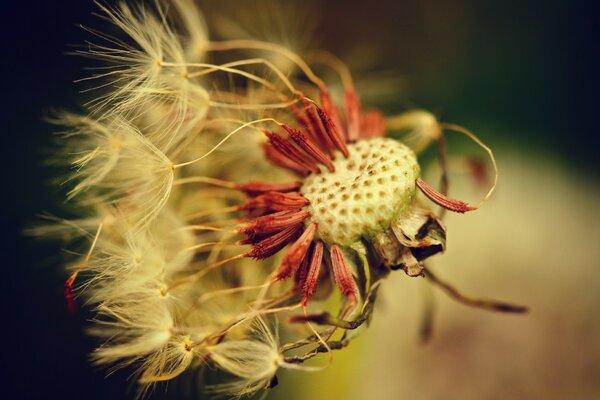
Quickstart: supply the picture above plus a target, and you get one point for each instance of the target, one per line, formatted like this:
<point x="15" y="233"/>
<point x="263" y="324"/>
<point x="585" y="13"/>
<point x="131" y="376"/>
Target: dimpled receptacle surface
<point x="366" y="192"/>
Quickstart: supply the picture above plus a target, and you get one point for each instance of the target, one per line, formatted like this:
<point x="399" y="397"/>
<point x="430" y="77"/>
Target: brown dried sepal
<point x="411" y="239"/>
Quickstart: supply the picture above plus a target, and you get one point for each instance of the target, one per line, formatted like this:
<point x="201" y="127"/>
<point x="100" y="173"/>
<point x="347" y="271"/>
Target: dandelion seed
<point x="253" y="361"/>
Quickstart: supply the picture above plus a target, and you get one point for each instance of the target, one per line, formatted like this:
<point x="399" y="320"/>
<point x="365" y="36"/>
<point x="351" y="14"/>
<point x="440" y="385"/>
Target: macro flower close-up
<point x="245" y="203"/>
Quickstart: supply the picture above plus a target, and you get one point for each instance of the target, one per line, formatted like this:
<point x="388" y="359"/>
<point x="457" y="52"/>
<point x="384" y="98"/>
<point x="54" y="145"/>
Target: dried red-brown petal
<point x="310" y="283"/>
<point x="443" y="201"/>
<point x="306" y="143"/>
<point x="301" y="274"/>
<point x="296" y="253"/>
<point x="317" y="129"/>
<point x="372" y="124"/>
<point x="352" y="104"/>
<point x="273" y="243"/>
<point x="256" y="188"/>
<point x="276" y="201"/>
<point x="332" y="111"/>
<point x="302" y="119"/>
<point x="332" y="133"/>
<point x="273" y="222"/>
<point x="292" y="152"/>
<point x="341" y="274"/>
<point x="277" y="158"/>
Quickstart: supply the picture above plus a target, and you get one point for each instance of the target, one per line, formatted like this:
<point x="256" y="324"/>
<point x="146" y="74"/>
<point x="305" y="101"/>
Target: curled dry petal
<point x="443" y="201"/>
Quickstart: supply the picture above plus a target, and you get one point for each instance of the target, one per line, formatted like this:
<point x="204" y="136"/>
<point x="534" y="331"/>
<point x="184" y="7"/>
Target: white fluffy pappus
<point x="114" y="163"/>
<point x="133" y="330"/>
<point x="252" y="360"/>
<point x="147" y="75"/>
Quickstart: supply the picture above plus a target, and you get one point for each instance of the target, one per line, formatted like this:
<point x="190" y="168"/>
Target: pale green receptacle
<point x="367" y="191"/>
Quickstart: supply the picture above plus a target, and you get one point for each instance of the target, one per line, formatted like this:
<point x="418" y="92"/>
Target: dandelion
<point x="205" y="187"/>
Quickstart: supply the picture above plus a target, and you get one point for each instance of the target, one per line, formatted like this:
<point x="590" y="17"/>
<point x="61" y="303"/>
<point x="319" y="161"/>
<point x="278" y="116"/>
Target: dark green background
<point x="526" y="69"/>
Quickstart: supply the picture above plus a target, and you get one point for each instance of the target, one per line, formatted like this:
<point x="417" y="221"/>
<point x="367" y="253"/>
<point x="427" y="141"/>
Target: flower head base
<point x="183" y="242"/>
<point x="365" y="193"/>
<point x="358" y="196"/>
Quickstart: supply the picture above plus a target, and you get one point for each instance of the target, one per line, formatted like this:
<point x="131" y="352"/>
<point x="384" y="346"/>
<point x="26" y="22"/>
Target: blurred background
<point x="523" y="75"/>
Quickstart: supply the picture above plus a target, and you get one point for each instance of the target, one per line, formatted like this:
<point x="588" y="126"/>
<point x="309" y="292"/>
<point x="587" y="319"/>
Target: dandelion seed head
<point x="203" y="186"/>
